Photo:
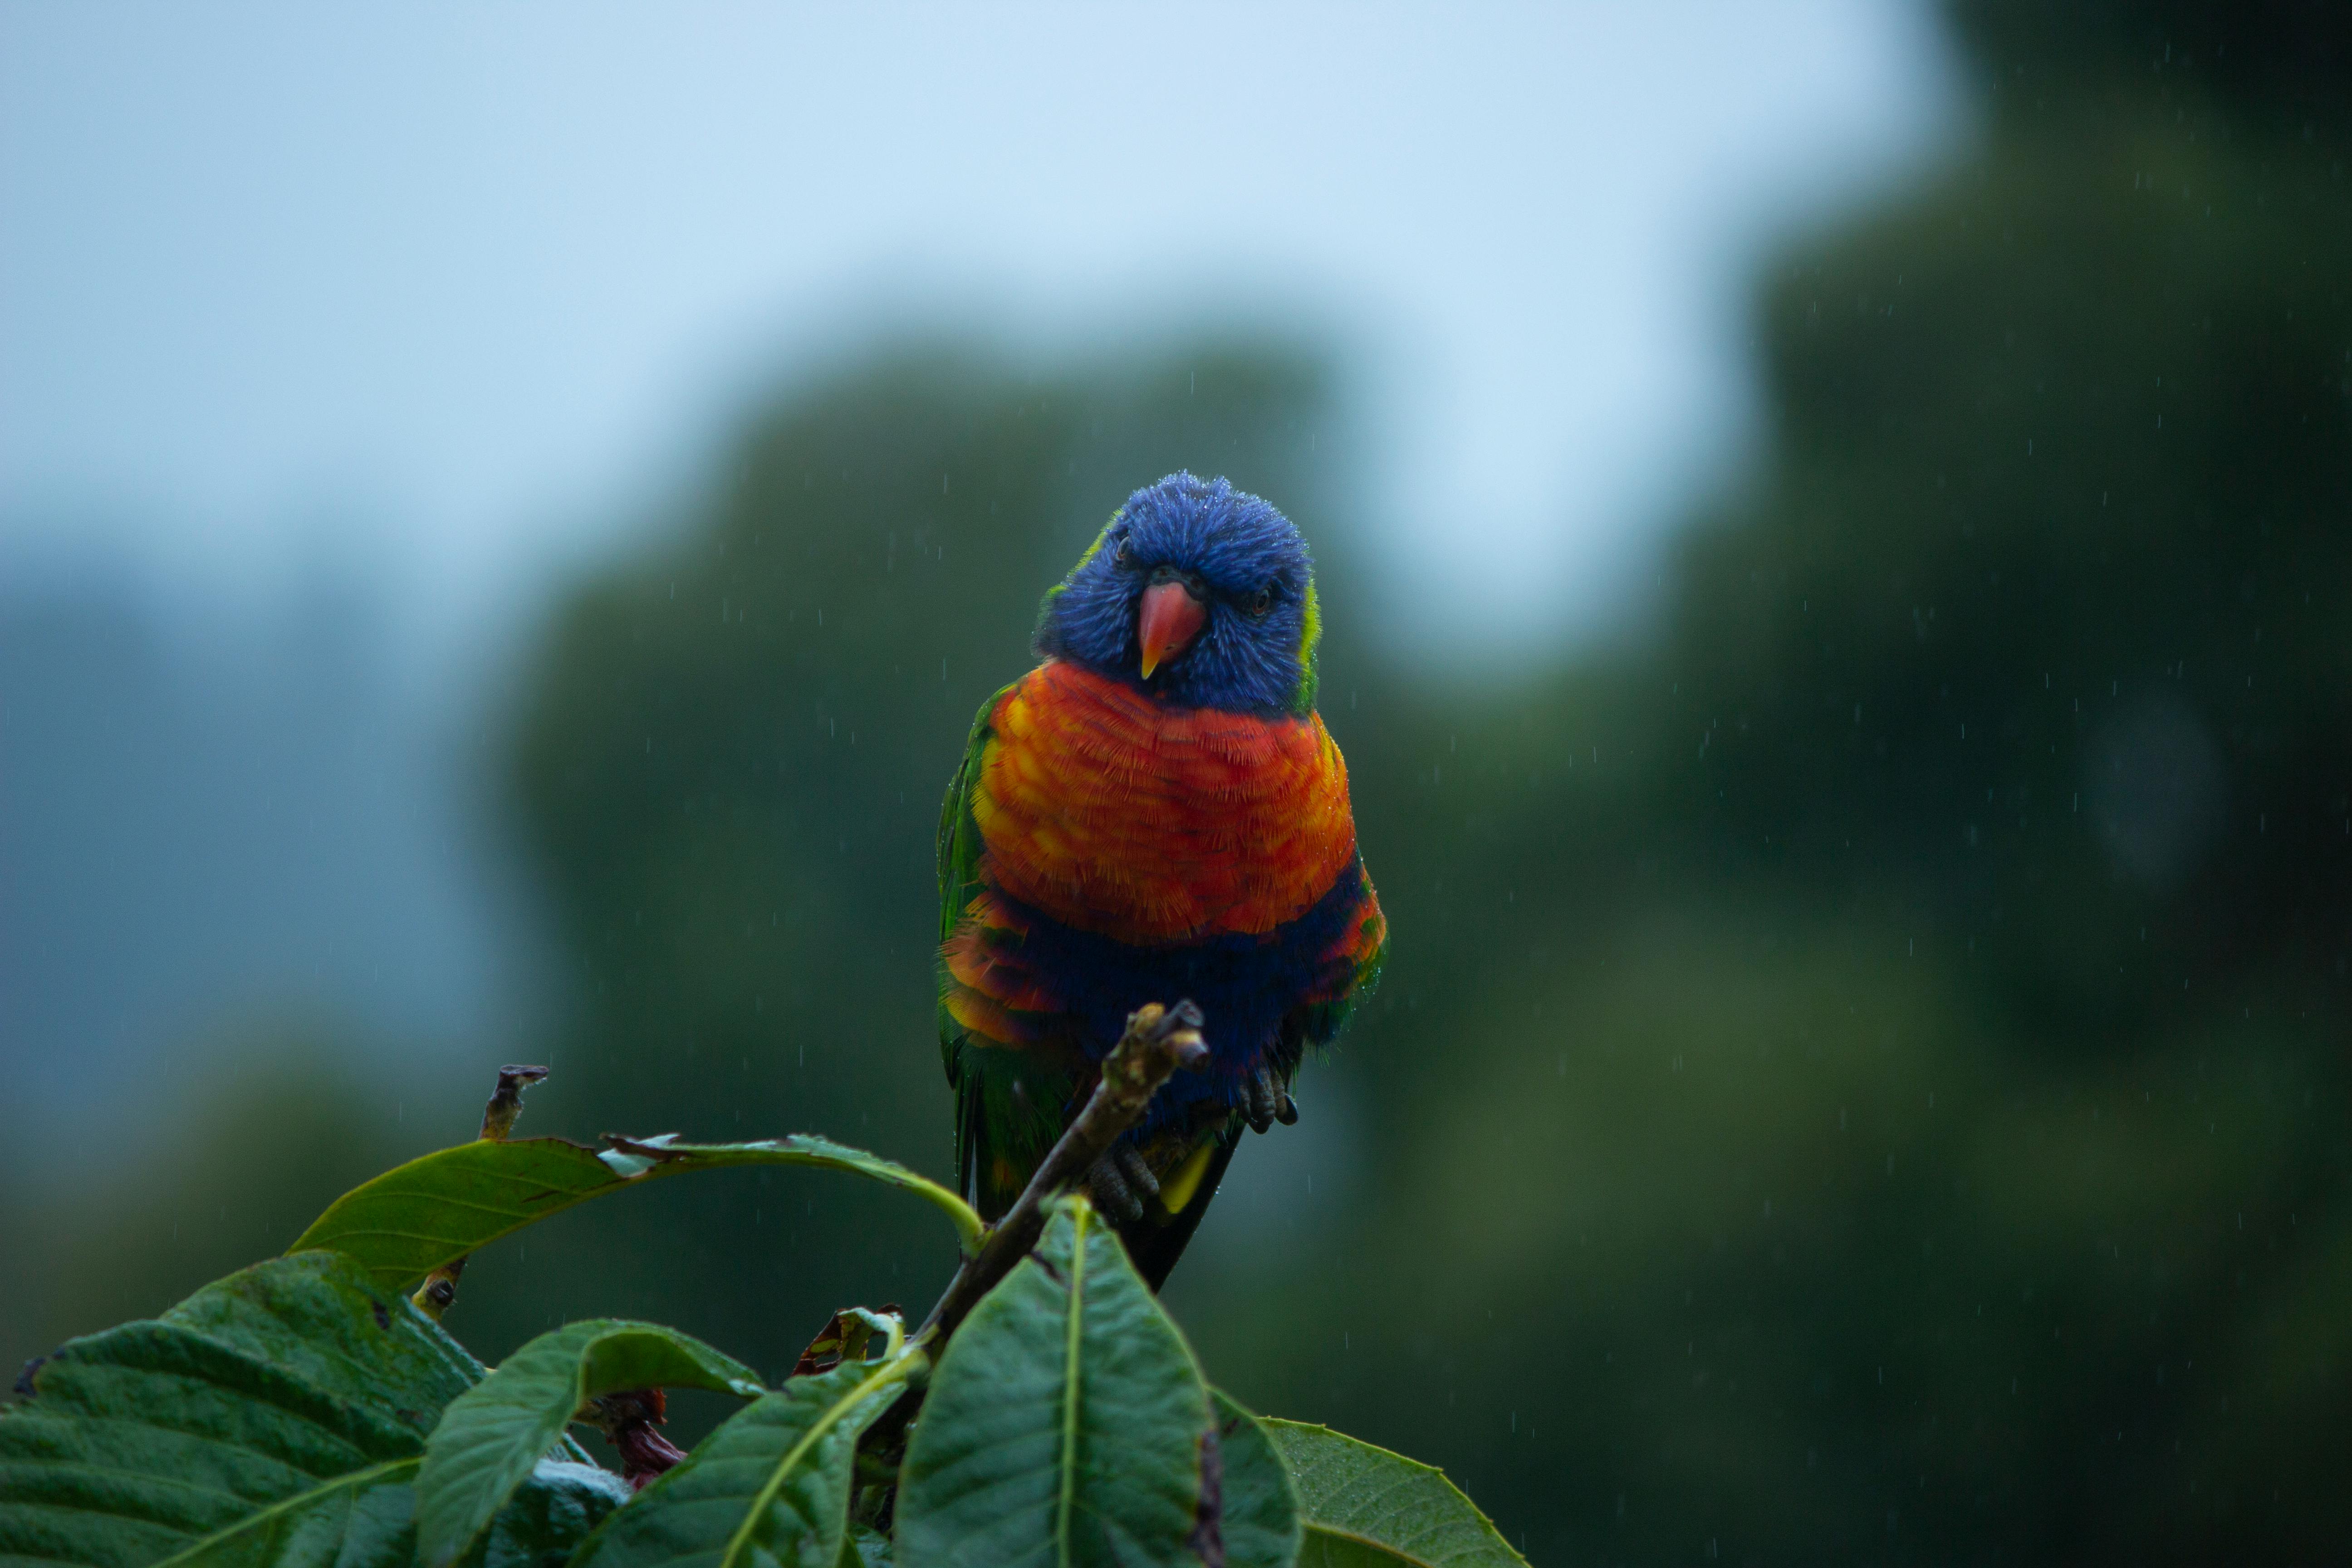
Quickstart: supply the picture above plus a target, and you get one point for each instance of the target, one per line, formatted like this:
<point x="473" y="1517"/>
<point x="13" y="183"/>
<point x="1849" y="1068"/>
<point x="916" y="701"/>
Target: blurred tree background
<point x="1862" y="1073"/>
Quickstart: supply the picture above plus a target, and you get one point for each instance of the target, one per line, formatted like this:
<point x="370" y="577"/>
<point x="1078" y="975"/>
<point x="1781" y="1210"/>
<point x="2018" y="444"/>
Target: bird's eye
<point x="1261" y="602"/>
<point x="1125" y="554"/>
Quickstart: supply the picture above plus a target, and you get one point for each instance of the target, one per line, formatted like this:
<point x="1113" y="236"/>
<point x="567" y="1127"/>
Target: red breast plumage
<point x="1114" y="812"/>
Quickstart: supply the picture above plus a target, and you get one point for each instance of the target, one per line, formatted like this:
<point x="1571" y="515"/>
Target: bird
<point x="1154" y="812"/>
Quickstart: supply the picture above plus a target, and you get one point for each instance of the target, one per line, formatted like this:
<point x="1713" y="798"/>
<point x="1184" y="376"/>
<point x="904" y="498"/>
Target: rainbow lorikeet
<point x="1154" y="814"/>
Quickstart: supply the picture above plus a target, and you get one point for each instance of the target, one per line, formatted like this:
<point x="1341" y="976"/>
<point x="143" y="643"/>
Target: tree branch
<point x="1158" y="1041"/>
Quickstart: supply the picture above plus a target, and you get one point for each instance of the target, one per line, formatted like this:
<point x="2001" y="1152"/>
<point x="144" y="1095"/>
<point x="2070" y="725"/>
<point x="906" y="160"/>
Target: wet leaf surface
<point x="492" y="1436"/>
<point x="1066" y="1421"/>
<point x="1364" y="1506"/>
<point x="771" y="1485"/>
<point x="442" y="1206"/>
<point x="275" y="1418"/>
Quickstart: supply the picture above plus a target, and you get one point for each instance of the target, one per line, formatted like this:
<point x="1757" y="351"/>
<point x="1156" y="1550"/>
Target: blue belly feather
<point x="1246" y="986"/>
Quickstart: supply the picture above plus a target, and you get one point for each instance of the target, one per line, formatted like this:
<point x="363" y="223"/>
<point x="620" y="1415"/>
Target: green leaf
<point x="1367" y="1507"/>
<point x="144" y="1440"/>
<point x="1066" y="1423"/>
<point x="558" y="1508"/>
<point x="770" y="1487"/>
<point x="415" y="1217"/>
<point x="367" y="1519"/>
<point x="865" y="1548"/>
<point x="1260" y="1511"/>
<point x="492" y="1436"/>
<point x="359" y="1521"/>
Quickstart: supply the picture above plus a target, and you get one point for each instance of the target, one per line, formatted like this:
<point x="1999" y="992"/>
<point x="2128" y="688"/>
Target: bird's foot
<point x="1122" y="1183"/>
<point x="1265" y="1102"/>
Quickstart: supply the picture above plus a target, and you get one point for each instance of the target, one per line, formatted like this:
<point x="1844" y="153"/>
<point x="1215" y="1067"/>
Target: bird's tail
<point x="1158" y="1238"/>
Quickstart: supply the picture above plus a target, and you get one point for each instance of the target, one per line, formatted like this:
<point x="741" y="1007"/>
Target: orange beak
<point x="1171" y="618"/>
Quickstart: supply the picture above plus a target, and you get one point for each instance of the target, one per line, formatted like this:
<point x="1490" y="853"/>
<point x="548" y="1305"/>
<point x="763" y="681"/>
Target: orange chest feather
<point x="1109" y="812"/>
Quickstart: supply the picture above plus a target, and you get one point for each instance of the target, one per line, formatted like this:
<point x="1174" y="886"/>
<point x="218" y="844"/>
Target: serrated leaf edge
<point x="1307" y="1523"/>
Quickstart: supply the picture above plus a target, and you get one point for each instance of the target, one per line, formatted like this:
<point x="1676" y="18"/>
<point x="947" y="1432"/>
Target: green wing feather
<point x="959" y="849"/>
<point x="960" y="843"/>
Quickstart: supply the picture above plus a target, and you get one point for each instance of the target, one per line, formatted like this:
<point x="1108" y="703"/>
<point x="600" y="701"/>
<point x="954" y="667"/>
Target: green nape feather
<point x="1045" y="604"/>
<point x="1310" y="634"/>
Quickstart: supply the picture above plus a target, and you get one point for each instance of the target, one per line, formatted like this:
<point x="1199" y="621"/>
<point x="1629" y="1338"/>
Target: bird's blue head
<point x="1198" y="593"/>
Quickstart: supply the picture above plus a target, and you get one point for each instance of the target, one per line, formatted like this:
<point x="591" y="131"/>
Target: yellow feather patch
<point x="1176" y="1192"/>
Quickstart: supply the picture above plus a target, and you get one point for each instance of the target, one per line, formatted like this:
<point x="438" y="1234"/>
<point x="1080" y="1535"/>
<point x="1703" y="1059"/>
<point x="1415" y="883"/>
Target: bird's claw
<point x="1265" y="1102"/>
<point x="1123" y="1183"/>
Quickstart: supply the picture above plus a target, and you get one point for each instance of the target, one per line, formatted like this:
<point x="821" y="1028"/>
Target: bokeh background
<point x="1837" y="528"/>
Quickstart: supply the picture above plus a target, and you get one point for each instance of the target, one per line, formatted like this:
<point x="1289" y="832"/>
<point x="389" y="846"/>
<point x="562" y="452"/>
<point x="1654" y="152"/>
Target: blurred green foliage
<point x="282" y="1115"/>
<point x="1861" y="1073"/>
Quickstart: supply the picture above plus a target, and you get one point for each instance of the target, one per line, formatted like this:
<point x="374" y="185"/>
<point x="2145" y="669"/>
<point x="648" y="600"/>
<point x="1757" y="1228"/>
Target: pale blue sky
<point x="441" y="292"/>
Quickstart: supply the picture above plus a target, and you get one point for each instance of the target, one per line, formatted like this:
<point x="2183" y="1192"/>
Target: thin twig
<point x="498" y="1114"/>
<point x="1158" y="1041"/>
